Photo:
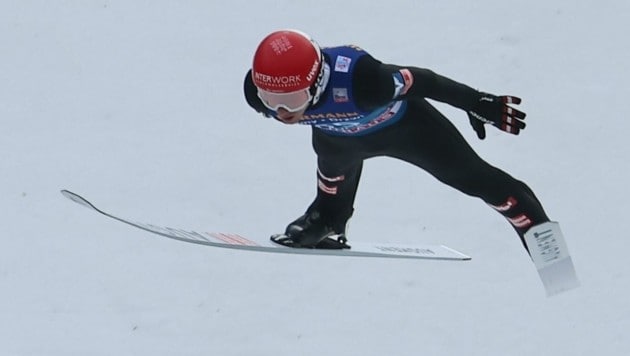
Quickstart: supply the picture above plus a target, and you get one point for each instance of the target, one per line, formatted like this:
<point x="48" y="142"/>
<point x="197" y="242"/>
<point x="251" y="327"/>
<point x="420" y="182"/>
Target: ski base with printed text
<point x="236" y="241"/>
<point x="550" y="255"/>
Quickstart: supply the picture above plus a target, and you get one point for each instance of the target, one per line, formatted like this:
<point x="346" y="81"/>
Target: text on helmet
<point x="278" y="80"/>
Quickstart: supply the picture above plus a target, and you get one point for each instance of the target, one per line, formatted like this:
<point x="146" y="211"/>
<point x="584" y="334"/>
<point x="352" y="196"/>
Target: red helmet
<point x="287" y="70"/>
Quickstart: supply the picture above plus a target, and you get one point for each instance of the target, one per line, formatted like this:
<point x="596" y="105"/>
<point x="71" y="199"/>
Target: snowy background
<point x="138" y="106"/>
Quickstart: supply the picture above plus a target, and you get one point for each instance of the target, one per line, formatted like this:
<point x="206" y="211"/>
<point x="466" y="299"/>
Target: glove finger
<point x="512" y="121"/>
<point x="479" y="128"/>
<point x="509" y="99"/>
<point x="481" y="132"/>
<point x="514" y="112"/>
<point x="514" y="127"/>
<point x="510" y="129"/>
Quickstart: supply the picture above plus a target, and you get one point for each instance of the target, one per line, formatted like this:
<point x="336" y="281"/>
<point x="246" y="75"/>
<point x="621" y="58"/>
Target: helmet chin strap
<point x="321" y="83"/>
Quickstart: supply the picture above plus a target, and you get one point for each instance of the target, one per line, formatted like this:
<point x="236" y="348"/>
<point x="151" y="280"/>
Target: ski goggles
<point x="292" y="102"/>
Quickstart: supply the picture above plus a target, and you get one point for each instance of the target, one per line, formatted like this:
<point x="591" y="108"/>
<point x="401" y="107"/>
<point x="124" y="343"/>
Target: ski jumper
<point x="371" y="109"/>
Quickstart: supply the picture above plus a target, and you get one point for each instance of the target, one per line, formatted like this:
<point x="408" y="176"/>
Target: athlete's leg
<point x="432" y="142"/>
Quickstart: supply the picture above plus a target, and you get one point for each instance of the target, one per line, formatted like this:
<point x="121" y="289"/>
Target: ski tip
<point x="460" y="256"/>
<point x="77" y="199"/>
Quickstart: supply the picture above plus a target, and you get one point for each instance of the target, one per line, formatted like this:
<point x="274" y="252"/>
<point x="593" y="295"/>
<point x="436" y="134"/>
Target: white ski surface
<point x="551" y="256"/>
<point x="235" y="241"/>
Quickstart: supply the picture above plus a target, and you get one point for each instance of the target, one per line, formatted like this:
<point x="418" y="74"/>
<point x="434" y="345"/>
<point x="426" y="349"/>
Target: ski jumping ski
<point x="550" y="255"/>
<point x="235" y="241"/>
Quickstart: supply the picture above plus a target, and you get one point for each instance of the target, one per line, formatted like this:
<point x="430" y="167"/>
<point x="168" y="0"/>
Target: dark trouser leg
<point x="339" y="166"/>
<point x="430" y="141"/>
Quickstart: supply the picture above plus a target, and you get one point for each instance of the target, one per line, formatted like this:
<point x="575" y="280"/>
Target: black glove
<point x="491" y="109"/>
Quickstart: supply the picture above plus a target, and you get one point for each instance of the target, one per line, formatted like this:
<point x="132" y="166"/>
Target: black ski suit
<point x="422" y="136"/>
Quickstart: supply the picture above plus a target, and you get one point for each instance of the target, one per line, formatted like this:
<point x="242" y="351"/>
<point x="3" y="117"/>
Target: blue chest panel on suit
<point x="337" y="113"/>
